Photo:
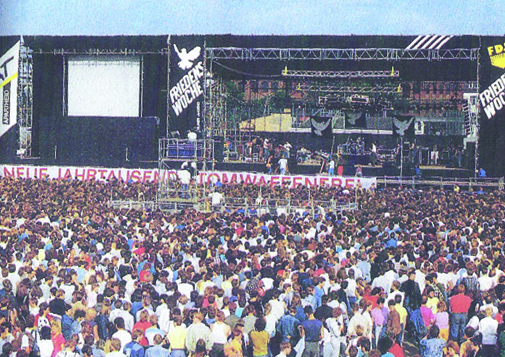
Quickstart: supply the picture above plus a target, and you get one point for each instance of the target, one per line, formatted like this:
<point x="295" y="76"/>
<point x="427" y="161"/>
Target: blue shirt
<point x="157" y="351"/>
<point x="133" y="349"/>
<point x="288" y="326"/>
<point x="312" y="330"/>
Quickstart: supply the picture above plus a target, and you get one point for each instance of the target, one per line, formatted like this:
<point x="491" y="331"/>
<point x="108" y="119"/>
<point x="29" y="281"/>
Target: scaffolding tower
<point x="25" y="101"/>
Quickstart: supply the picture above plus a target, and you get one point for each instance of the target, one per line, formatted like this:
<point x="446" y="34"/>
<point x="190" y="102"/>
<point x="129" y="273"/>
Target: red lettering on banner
<point x="209" y="178"/>
<point x="90" y="174"/>
<point x="43" y="172"/>
<point x="233" y="178"/>
<point x="82" y="176"/>
<point x="68" y="174"/>
<point x="297" y="180"/>
<point x="102" y="173"/>
<point x="248" y="180"/>
<point x="156" y="176"/>
<point x="285" y="179"/>
<point x="136" y="175"/>
<point x="310" y="183"/>
<point x="274" y="180"/>
<point x="200" y="177"/>
<point x="349" y="182"/>
<point x="224" y="178"/>
<point x="322" y="180"/>
<point x="20" y="171"/>
<point x="112" y="175"/>
<point x="59" y="173"/>
<point x="28" y="172"/>
<point x="147" y="176"/>
<point x="7" y="173"/>
<point x="262" y="181"/>
<point x="336" y="181"/>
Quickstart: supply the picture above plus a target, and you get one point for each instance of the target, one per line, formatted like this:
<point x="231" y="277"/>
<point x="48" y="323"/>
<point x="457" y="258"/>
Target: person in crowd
<point x="431" y="344"/>
<point x="157" y="350"/>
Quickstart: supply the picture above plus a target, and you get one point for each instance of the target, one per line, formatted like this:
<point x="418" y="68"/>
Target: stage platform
<point x="427" y="171"/>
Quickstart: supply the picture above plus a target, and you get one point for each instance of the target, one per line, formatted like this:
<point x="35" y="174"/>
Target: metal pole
<point x="168" y="86"/>
<point x="477" y="134"/>
<point x="401" y="160"/>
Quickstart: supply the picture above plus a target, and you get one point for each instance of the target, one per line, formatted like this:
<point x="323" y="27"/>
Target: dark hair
<point x="200" y="346"/>
<point x="384" y="344"/>
<point x="45" y="333"/>
<point x="260" y="324"/>
<point x="364" y="342"/>
<point x="469" y="332"/>
<point x="119" y="322"/>
<point x="434" y="331"/>
<point x="87" y="350"/>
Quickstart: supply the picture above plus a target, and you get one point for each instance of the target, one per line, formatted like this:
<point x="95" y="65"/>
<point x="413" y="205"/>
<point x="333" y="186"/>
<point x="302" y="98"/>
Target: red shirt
<point x="143" y="325"/>
<point x="397" y="350"/>
<point x="373" y="299"/>
<point x="460" y="304"/>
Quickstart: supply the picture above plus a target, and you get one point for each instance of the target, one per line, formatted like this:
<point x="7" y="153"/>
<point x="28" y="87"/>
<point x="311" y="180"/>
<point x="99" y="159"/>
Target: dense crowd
<point x="409" y="268"/>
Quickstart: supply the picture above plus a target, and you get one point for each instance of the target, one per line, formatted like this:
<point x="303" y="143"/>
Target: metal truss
<point x="215" y="108"/>
<point x="341" y="74"/>
<point x="353" y="54"/>
<point x="101" y="51"/>
<point x="25" y="101"/>
<point x="385" y="89"/>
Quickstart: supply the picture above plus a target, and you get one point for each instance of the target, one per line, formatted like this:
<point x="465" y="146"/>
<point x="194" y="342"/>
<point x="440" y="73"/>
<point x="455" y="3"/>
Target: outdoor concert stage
<point x="108" y="101"/>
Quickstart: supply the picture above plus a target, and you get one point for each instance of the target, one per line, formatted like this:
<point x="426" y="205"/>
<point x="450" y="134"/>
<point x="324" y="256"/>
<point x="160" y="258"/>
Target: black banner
<point x="186" y="83"/>
<point x="321" y="127"/>
<point x="355" y="120"/>
<point x="404" y="126"/>
<point x="492" y="105"/>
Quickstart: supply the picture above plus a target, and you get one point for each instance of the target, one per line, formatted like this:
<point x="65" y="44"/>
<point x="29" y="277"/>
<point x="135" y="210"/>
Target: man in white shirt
<point x="488" y="327"/>
<point x="121" y="334"/>
<point x="283" y="165"/>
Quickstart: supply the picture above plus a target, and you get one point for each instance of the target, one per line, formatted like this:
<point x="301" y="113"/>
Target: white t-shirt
<point x="216" y="198"/>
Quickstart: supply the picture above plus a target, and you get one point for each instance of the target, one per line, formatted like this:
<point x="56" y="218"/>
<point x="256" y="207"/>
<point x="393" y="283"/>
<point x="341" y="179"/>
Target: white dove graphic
<point x="402" y="126"/>
<point x="319" y="127"/>
<point x="187" y="58"/>
<point x="352" y="117"/>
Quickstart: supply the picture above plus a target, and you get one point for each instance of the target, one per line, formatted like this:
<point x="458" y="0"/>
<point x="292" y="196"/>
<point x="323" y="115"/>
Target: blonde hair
<point x="55" y="327"/>
<point x="115" y="344"/>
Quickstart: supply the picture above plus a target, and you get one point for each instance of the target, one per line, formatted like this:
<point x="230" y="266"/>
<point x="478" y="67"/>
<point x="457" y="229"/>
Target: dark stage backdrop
<point x="492" y="106"/>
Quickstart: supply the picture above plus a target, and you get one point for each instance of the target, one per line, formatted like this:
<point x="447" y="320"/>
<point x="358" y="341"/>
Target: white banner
<point x="290" y="180"/>
<point x="153" y="175"/>
<point x="9" y="64"/>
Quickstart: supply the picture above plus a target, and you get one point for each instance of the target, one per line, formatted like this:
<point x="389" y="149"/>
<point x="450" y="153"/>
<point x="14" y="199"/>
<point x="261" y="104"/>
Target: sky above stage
<point x="252" y="17"/>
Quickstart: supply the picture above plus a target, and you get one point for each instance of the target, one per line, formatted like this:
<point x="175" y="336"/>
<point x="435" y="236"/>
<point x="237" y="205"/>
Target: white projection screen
<point x="104" y="86"/>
